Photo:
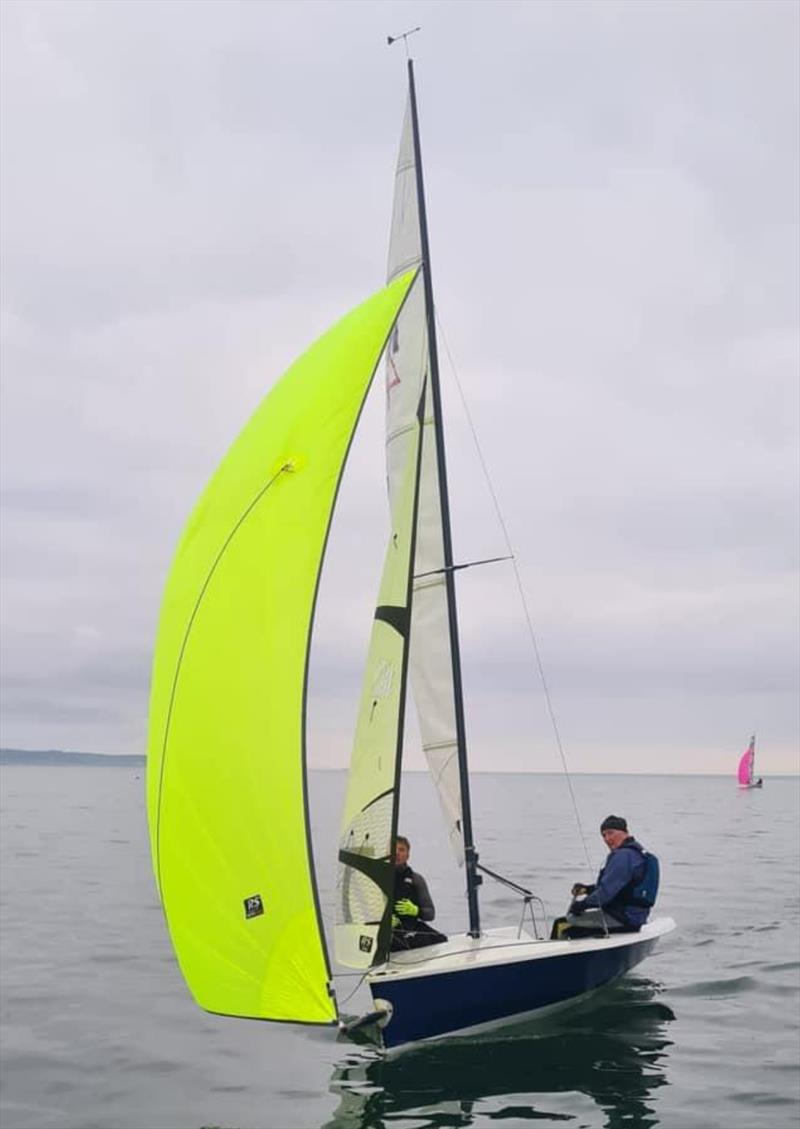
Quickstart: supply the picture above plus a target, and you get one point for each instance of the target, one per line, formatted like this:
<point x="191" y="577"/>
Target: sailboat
<point x="227" y="778"/>
<point x="745" y="773"/>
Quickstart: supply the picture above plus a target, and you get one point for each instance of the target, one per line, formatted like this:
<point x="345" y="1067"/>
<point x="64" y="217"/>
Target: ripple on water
<point x="772" y="989"/>
<point x="27" y="998"/>
<point x="160" y="1066"/>
<point x="731" y="987"/>
<point x="298" y="1095"/>
<point x="789" y="1068"/>
<point x="760" y="1097"/>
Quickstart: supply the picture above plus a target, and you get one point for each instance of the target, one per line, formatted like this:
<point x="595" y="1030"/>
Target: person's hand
<point x="406" y="908"/>
<point x="577" y="908"/>
<point x="395" y="921"/>
<point x="577" y="889"/>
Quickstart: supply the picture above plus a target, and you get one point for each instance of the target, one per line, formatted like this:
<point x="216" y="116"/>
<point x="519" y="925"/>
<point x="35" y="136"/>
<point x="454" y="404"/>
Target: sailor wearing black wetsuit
<point x="413" y="905"/>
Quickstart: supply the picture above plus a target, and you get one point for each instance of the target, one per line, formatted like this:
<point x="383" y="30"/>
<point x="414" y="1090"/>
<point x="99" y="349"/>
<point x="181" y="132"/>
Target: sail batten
<point x="226" y="757"/>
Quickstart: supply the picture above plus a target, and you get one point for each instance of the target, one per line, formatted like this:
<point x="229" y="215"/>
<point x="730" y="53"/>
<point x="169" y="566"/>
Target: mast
<point x="470" y="854"/>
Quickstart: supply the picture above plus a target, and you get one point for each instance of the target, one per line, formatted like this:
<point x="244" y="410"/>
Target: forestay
<point x="226" y="759"/>
<point x="407" y="364"/>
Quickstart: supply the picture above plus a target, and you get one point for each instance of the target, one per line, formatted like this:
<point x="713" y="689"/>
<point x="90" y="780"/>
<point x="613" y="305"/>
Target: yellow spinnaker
<point x="226" y="757"/>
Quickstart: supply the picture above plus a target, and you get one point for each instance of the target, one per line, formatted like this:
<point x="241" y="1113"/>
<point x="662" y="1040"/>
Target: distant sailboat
<point x="746" y="771"/>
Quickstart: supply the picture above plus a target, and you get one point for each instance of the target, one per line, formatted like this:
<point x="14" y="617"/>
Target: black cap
<point x="614" y="823"/>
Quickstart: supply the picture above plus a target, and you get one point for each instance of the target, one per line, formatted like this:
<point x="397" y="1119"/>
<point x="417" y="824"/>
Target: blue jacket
<point x="623" y="868"/>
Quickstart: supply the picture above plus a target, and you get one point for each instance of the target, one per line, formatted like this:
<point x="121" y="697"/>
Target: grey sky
<point x="193" y="191"/>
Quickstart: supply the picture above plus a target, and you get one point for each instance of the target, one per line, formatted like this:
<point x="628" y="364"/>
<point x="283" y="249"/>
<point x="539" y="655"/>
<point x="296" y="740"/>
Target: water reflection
<point x="612" y="1050"/>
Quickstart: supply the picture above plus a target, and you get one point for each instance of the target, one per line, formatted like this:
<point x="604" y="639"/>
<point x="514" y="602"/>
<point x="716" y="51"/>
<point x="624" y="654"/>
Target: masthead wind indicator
<point x="390" y="39"/>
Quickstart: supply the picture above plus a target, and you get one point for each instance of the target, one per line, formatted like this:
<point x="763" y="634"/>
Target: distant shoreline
<point x="48" y="758"/>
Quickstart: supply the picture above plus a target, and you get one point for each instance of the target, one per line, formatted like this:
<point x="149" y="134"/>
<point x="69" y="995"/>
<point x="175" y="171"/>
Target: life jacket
<point x="643" y="890"/>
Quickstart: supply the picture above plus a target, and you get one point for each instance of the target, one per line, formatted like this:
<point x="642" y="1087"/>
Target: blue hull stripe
<point x="426" y="1006"/>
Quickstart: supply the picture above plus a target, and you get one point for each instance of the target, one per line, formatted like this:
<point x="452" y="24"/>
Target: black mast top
<point x="470" y="855"/>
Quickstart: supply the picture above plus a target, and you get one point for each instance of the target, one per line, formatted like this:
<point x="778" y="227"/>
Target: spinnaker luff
<point x="226" y="783"/>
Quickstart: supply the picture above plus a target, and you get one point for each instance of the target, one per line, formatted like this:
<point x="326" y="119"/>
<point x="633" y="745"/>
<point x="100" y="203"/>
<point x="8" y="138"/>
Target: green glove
<point x="395" y="921"/>
<point x="406" y="908"/>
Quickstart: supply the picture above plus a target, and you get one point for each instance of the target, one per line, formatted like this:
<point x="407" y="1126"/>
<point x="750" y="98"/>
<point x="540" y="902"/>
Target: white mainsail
<point x="407" y="365"/>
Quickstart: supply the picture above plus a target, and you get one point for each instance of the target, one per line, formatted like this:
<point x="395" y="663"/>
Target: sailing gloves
<point x="406" y="908"/>
<point x="395" y="921"/>
<point x="577" y="908"/>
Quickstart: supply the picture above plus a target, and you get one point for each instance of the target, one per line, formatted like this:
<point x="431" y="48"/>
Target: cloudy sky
<point x="191" y="192"/>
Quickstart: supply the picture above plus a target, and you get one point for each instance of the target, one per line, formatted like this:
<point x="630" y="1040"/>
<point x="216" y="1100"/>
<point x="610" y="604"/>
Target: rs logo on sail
<point x="253" y="907"/>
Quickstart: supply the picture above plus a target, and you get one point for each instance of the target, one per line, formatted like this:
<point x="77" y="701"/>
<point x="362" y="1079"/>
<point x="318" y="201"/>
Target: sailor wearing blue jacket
<point x="620" y="900"/>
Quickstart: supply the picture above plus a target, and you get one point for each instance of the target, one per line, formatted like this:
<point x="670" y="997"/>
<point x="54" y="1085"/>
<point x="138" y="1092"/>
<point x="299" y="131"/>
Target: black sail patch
<point x="396" y="617"/>
<point x="253" y="907"/>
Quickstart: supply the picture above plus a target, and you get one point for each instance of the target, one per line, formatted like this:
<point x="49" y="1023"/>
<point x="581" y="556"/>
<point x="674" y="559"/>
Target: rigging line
<point x="505" y="881"/>
<point x="515" y="566"/>
<point x="528" y="896"/>
<point x="362" y="977"/>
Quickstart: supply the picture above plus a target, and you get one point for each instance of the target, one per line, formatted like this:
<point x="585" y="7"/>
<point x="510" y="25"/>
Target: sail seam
<point x="404" y="430"/>
<point x="435" y="581"/>
<point x="403" y="266"/>
<point x="376" y="799"/>
<point x="243" y="517"/>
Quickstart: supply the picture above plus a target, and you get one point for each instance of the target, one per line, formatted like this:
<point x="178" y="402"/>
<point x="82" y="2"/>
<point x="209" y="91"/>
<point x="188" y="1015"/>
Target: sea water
<point x="98" y="1029"/>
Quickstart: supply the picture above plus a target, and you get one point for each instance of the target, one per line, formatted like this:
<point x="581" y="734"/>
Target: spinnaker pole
<point x="470" y="854"/>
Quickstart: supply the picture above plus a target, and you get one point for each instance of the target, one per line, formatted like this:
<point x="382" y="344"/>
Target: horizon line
<point x="423" y="771"/>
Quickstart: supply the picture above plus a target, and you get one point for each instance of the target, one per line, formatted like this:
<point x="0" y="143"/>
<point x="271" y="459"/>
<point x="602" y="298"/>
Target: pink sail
<point x="745" y="773"/>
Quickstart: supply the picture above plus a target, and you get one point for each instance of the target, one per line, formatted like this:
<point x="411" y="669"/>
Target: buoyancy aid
<point x="644" y="890"/>
<point x="633" y="902"/>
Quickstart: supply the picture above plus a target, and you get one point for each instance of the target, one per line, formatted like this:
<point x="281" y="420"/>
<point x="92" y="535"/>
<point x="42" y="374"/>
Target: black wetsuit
<point x="414" y="932"/>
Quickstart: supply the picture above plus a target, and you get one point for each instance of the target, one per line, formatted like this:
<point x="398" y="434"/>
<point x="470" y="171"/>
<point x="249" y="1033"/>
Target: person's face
<point x="400" y="854"/>
<point x="613" y="838"/>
